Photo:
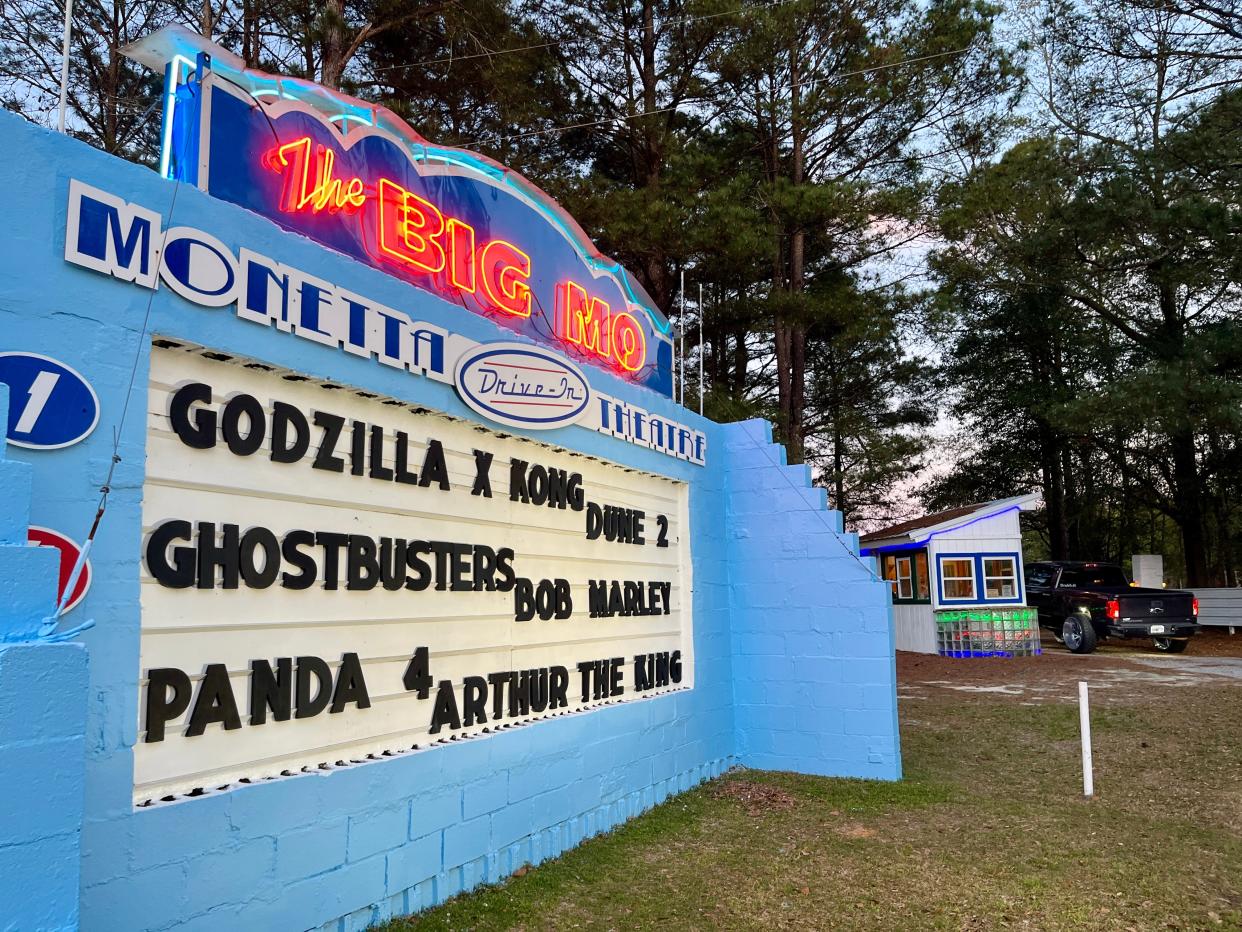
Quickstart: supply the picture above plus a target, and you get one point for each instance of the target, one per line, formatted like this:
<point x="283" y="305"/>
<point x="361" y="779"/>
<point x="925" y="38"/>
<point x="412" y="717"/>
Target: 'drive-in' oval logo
<point x="519" y="385"/>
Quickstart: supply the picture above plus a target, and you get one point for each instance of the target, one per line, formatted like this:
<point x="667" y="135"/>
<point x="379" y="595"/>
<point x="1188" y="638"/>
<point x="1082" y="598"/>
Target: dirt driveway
<point x="1116" y="673"/>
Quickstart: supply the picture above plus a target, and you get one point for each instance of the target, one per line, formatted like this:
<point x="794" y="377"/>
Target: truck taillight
<point x="1113" y="609"/>
<point x="1194" y="607"/>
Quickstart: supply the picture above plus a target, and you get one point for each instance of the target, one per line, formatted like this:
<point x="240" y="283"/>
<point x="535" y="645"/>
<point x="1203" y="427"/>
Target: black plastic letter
<point x="351" y="685"/>
<point x="215" y="702"/>
<point x="201" y="434"/>
<point x="309" y="667"/>
<point x="270" y="690"/>
<point x="180" y="574"/>
<point x="230" y="424"/>
<point x="445" y="711"/>
<point x="285" y="416"/>
<point x="161" y="707"/>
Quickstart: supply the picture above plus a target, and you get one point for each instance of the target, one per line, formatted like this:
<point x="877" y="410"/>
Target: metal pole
<point x="1084" y="724"/>
<point x="702" y="348"/>
<point x="681" y="366"/>
<point x="64" y="65"/>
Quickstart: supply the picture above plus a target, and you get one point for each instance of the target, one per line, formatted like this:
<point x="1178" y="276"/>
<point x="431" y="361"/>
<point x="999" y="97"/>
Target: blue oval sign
<point x="50" y="404"/>
<point x="521" y="386"/>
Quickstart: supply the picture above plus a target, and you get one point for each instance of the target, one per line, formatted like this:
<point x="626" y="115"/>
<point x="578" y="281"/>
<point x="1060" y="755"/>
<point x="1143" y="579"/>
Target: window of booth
<point x="905" y="578"/>
<point x="979" y="578"/>
<point x="1000" y="578"/>
<point x="907" y="574"/>
<point x="957" y="578"/>
<point x="922" y="578"/>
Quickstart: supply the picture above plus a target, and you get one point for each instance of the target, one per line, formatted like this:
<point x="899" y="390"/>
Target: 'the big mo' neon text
<point x="415" y="236"/>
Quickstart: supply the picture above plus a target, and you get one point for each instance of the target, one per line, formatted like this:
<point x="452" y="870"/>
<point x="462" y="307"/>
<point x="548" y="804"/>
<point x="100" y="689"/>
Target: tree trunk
<point x="796" y="445"/>
<point x="110" y="137"/>
<point x="250" y="33"/>
<point x="308" y="56"/>
<point x="1073" y="506"/>
<point x="1189" y="506"/>
<point x="1187" y="494"/>
<point x="660" y="275"/>
<point x="794" y="382"/>
<point x="741" y="362"/>
<point x="332" y="64"/>
<point x="1124" y="507"/>
<point x="784" y="420"/>
<point x="780" y="330"/>
<point x="649" y="76"/>
<point x="1054" y="491"/>
<point x="1090" y="539"/>
<point x="838" y="439"/>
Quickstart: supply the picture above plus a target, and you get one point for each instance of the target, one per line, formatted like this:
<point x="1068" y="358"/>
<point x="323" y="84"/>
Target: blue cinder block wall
<point x="813" y="657"/>
<point x="793" y="650"/>
<point x="42" y="727"/>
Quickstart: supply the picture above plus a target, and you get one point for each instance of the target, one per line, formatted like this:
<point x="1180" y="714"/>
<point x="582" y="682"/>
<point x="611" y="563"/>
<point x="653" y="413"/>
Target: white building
<point x="962" y="559"/>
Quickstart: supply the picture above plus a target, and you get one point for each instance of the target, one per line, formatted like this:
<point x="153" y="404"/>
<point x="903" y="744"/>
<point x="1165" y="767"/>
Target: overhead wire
<point x="450" y="59"/>
<point x="621" y="118"/>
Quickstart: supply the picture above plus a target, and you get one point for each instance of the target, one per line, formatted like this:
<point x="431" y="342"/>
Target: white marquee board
<point x="469" y="633"/>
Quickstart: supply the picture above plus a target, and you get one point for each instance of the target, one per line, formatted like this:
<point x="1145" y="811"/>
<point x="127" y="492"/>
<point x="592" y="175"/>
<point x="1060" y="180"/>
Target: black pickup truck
<point x="1083" y="602"/>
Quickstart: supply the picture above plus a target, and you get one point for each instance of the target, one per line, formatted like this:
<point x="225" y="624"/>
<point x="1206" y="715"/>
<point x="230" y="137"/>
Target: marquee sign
<point x="107" y="234"/>
<point x="331" y="577"/>
<point x="359" y="180"/>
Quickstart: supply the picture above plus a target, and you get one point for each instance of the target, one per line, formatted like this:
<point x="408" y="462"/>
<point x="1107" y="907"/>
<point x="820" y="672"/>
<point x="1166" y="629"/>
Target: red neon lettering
<point x="629" y="343"/>
<point x="413" y="232"/>
<point x="505" y="270"/>
<point x="588" y="322"/>
<point x="461" y="254"/>
<point x="408" y="227"/>
<point x="583" y="320"/>
<point x="310" y="182"/>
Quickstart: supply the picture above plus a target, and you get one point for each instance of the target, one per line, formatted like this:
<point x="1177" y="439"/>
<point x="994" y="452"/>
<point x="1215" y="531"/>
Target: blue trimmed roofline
<point x="916" y="542"/>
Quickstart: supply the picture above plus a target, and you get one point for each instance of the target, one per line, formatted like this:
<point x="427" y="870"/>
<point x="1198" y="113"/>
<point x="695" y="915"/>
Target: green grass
<point x="854" y="796"/>
<point x="988" y="831"/>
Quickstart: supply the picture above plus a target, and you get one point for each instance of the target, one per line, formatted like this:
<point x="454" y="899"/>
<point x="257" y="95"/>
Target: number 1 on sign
<point x="40" y="391"/>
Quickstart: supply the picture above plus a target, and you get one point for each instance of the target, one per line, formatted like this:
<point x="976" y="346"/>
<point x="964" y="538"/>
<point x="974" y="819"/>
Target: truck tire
<point x="1171" y="645"/>
<point x="1078" y="634"/>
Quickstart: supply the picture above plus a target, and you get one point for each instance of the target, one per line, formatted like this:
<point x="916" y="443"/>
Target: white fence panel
<point x="1220" y="607"/>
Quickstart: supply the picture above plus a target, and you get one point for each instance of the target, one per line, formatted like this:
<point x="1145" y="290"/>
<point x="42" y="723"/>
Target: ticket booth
<point x="956" y="579"/>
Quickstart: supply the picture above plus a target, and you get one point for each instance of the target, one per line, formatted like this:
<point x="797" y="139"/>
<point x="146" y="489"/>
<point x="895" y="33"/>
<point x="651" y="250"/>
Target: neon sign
<point x="356" y="178"/>
<point x="310" y="181"/>
<point x="416" y="236"/>
<point x="591" y="324"/>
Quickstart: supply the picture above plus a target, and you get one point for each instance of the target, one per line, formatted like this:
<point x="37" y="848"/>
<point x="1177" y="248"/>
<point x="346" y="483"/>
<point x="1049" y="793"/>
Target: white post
<point x="64" y="65"/>
<point x="1084" y="724"/>
<point x="702" y="348"/>
<point x="682" y="365"/>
